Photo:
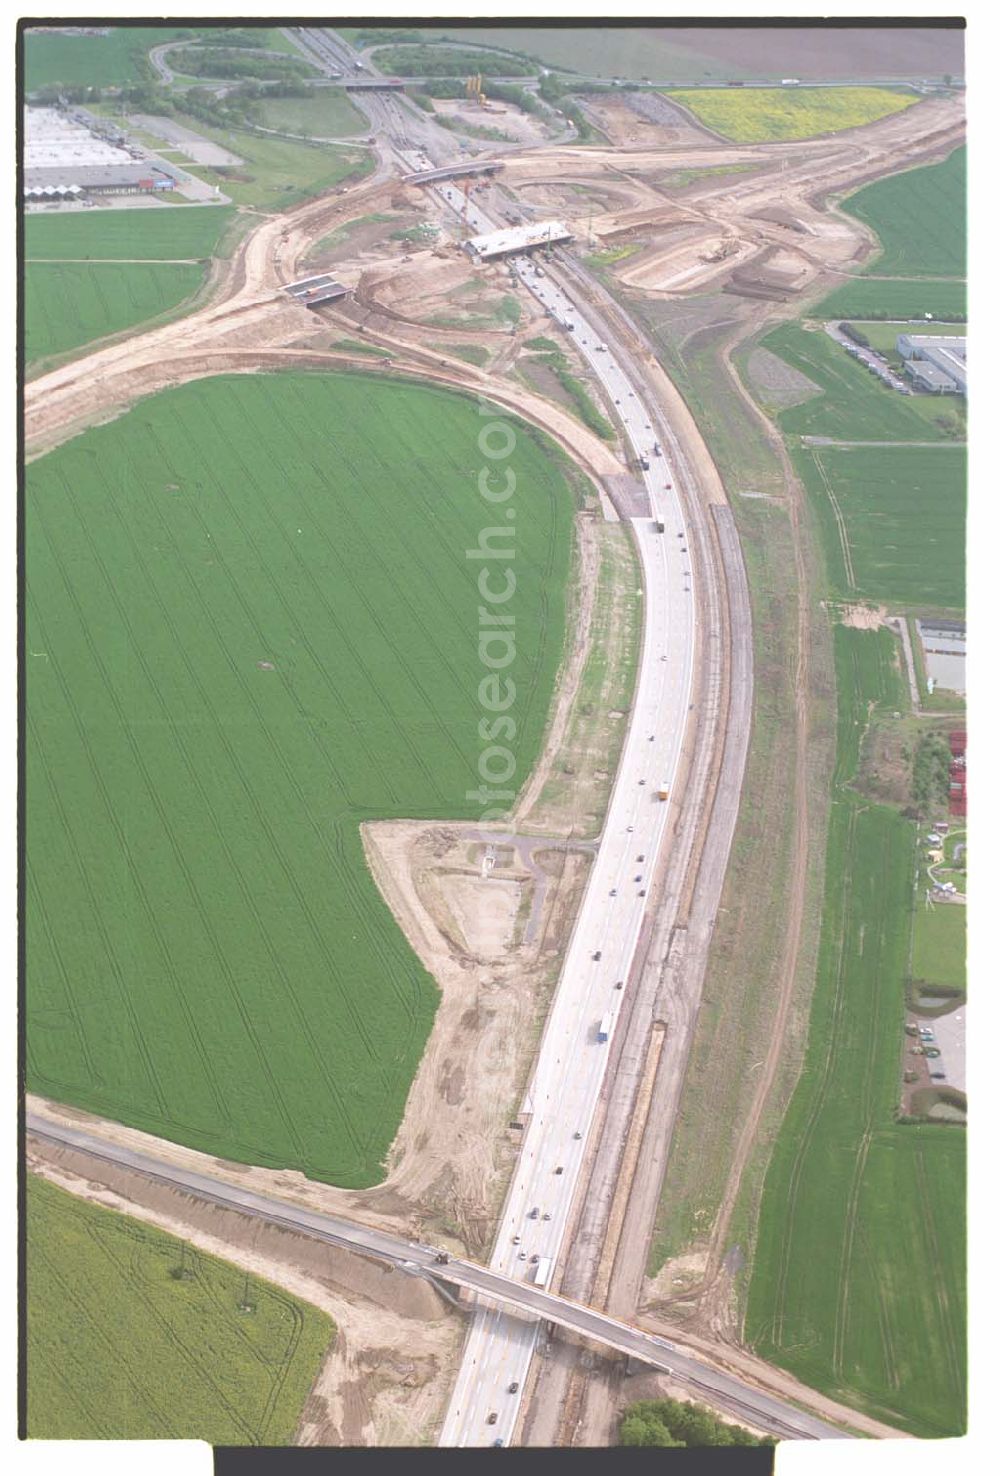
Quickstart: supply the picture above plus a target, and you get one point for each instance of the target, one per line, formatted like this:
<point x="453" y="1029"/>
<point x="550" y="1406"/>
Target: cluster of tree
<point x="216" y="62"/>
<point x="430" y="61"/>
<point x="667" y="1422"/>
<point x="234" y="37"/>
<point x="518" y="97"/>
<point x="558" y="94"/>
<point x="880" y="315"/>
<point x="444" y="87"/>
<point x="931" y="766"/>
<point x="473" y="130"/>
<point x="855" y="334"/>
<point x="386" y="38"/>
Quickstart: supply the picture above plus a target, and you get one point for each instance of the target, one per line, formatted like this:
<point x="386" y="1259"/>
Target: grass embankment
<point x="576" y="392"/>
<point x="133" y="1335"/>
<point x="574" y="799"/>
<point x="88" y="276"/>
<point x="272" y="638"/>
<point x="735" y="1021"/>
<point x="858" y="1269"/>
<point x="276" y="172"/>
<point x="327" y="113"/>
<point x="762" y="114"/>
<point x="919" y="219"/>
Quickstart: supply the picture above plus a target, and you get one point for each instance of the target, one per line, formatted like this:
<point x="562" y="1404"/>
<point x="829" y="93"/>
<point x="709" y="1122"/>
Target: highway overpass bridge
<point x="523" y="1297"/>
<point x="453" y="171"/>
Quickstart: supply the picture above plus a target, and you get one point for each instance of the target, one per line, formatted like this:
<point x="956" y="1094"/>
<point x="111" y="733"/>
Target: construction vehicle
<point x="663" y="793"/>
<point x="604" y="1029"/>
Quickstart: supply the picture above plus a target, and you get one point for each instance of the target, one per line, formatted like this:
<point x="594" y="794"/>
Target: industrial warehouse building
<point x="517" y="238"/>
<point x="935" y="365"/>
<point x="67" y="156"/>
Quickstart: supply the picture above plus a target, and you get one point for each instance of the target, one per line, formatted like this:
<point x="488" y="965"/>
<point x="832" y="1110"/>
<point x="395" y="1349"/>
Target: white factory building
<point x="517" y="238"/>
<point x="935" y="365"/>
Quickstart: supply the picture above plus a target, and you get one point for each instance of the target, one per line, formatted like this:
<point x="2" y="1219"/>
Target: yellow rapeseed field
<point x="760" y="114"/>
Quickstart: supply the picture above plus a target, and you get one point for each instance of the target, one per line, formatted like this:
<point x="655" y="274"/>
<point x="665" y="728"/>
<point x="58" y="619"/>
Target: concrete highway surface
<point x="417" y="1259"/>
<point x="572" y="1060"/>
<point x="563" y="1097"/>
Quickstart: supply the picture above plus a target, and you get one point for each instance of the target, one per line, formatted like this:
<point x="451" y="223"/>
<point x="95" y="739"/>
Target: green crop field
<point x="761" y="114"/>
<point x="69" y="305"/>
<point x="919" y="217"/>
<point x="94" y="61"/>
<point x="901" y="511"/>
<point x="126" y="235"/>
<point x="251" y="625"/>
<point x="121" y="1346"/>
<point x="858" y="1281"/>
<point x="875" y="297"/>
<point x="855" y="406"/>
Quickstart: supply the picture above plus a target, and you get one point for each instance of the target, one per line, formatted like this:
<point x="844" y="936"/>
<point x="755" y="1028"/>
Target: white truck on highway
<point x="604" y="1029"/>
<point x="542" y="1271"/>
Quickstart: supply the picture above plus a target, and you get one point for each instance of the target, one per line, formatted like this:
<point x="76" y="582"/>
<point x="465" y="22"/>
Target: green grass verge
<point x="357" y="346"/>
<point x="857" y="1284"/>
<point x="472" y="353"/>
<point x="276" y="172"/>
<point x="902" y="511"/>
<point x="919" y="217"/>
<point x="122" y="1347"/>
<point x="939" y="944"/>
<point x="67" y="305"/>
<point x="327" y="113"/>
<point x="759" y="114"/>
<point x="735" y="1019"/>
<point x="127" y="235"/>
<point x="208" y="957"/>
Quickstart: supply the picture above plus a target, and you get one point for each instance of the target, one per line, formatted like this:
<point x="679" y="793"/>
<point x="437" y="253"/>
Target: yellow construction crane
<point x="474" y="89"/>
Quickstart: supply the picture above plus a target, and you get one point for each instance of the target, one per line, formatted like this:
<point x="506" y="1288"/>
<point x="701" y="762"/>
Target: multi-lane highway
<point x="418" y="1259"/>
<point x="572" y="1061"/>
